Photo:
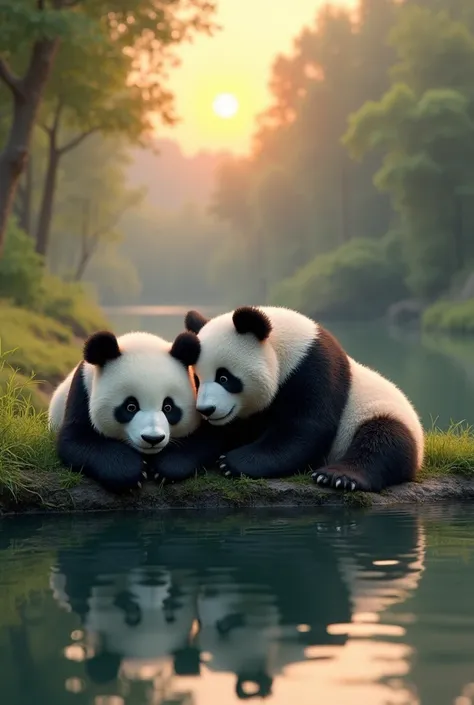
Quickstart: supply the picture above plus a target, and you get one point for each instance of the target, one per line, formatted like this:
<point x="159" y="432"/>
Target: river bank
<point x="32" y="480"/>
<point x="218" y="493"/>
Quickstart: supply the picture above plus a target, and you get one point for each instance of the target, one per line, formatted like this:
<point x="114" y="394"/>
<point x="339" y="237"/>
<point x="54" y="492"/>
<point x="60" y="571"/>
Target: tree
<point x="41" y="28"/>
<point x="92" y="199"/>
<point x="142" y="32"/>
<point x="298" y="195"/>
<point x="425" y="127"/>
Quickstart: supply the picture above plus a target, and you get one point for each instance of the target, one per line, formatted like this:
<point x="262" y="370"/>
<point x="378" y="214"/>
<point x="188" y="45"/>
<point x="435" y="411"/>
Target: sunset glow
<point x="237" y="61"/>
<point x="225" y="105"/>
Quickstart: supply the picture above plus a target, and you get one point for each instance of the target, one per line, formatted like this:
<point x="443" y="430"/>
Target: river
<point x="436" y="373"/>
<point x="300" y="608"/>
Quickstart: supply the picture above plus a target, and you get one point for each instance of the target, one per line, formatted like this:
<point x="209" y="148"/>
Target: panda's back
<point x="370" y="396"/>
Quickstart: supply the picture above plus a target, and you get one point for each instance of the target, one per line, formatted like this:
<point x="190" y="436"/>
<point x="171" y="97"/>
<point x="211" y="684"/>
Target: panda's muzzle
<point x="206" y="411"/>
<point x="153" y="440"/>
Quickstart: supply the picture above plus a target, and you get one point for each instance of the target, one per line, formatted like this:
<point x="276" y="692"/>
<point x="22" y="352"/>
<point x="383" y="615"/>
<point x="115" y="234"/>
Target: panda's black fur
<point x="299" y="427"/>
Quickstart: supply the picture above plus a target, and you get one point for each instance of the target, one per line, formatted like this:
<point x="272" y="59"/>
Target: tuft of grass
<point x="449" y="452"/>
<point x="28" y="460"/>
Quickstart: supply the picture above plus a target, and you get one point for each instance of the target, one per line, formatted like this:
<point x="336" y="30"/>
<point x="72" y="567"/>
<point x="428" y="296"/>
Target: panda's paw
<point x="338" y="478"/>
<point x="168" y="470"/>
<point x="222" y="462"/>
<point x="234" y="466"/>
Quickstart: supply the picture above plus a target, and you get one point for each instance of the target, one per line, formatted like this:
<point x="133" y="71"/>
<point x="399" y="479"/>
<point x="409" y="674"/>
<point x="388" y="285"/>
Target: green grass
<point x="28" y="461"/>
<point x="38" y="344"/>
<point x="449" y="452"/>
<point x="29" y="465"/>
<point x="450" y="317"/>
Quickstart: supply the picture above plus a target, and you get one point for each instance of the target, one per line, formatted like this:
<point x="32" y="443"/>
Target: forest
<point x="356" y="194"/>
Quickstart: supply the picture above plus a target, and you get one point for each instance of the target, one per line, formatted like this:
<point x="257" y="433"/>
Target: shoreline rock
<point x="89" y="497"/>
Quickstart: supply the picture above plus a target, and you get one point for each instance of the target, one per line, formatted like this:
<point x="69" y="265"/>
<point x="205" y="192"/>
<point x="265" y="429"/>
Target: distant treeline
<point x="359" y="190"/>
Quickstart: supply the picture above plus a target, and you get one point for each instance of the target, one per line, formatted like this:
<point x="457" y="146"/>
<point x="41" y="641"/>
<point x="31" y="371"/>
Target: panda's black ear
<point x="186" y="348"/>
<point x="249" y="319"/>
<point x="194" y="321"/>
<point x="100" y="348"/>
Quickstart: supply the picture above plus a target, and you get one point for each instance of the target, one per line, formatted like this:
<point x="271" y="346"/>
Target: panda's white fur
<point x="145" y="370"/>
<point x="373" y="395"/>
<point x="264" y="368"/>
<point x="270" y="349"/>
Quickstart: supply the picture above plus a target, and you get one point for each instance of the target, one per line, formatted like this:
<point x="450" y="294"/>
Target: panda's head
<point x="236" y="364"/>
<point x="140" y="388"/>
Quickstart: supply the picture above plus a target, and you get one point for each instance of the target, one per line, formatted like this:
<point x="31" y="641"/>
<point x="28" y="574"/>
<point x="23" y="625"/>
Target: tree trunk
<point x="345" y="231"/>
<point x="24" y="196"/>
<point x="458" y="234"/>
<point x="47" y="200"/>
<point x="27" y="94"/>
<point x="81" y="267"/>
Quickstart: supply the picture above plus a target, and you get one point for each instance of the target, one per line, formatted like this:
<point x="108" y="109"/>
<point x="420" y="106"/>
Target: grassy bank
<point x="452" y="318"/>
<point x="29" y="466"/>
<point x="49" y="346"/>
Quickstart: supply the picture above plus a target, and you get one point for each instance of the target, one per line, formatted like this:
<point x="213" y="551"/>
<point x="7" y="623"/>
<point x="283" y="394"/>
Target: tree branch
<point x="57" y="115"/>
<point x="9" y="79"/>
<point x="76" y="141"/>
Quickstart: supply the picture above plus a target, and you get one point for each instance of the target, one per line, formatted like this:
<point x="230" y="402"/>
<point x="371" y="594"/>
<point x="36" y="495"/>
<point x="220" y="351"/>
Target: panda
<point x="286" y="395"/>
<point x="122" y="405"/>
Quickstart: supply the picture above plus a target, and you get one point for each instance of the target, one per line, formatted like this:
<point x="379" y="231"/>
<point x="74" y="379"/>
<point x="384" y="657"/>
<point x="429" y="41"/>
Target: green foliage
<point x="38" y="344"/>
<point x="24" y="281"/>
<point x="357" y="280"/>
<point x="28" y="460"/>
<point x="449" y="452"/>
<point x="71" y="305"/>
<point x="298" y="196"/>
<point x="425" y="128"/>
<point x="453" y="318"/>
<point x="21" y="269"/>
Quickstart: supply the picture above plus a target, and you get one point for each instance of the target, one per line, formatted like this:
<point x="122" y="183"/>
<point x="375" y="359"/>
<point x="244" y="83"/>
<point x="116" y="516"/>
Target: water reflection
<point x="366" y="608"/>
<point x="285" y="609"/>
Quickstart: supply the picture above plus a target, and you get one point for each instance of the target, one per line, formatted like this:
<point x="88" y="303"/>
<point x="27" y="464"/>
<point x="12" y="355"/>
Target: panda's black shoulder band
<point x="186" y="348"/>
<point x="101" y="347"/>
<point x="249" y="319"/>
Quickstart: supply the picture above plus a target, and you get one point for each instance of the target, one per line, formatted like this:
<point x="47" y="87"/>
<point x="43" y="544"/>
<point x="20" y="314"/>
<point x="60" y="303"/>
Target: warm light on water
<point x="363" y="608"/>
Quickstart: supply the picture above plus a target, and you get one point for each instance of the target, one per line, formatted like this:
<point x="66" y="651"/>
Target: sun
<point x="225" y="105"/>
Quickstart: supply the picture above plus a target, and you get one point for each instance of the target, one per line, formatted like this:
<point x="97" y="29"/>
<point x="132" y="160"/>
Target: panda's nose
<point x="206" y="411"/>
<point x="153" y="440"/>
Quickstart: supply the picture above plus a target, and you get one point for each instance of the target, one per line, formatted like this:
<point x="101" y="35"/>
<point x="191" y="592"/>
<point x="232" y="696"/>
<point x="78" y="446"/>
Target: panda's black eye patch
<point x="127" y="410"/>
<point x="172" y="411"/>
<point x="230" y="382"/>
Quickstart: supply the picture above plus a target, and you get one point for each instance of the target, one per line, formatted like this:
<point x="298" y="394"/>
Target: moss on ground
<point x="29" y="465"/>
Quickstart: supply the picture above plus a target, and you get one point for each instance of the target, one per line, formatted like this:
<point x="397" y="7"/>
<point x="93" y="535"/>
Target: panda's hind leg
<point x="383" y="452"/>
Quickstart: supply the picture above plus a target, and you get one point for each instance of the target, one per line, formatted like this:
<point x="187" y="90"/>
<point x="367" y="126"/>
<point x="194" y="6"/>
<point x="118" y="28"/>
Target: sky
<point x="236" y="60"/>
